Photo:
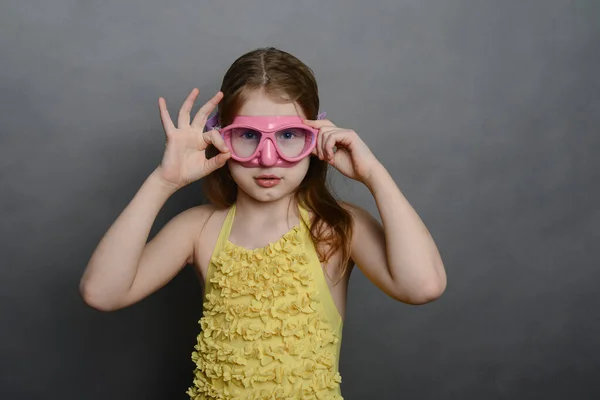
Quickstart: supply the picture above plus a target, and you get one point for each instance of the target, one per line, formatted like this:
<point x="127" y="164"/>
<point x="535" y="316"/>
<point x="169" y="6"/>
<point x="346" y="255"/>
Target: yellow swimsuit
<point x="270" y="328"/>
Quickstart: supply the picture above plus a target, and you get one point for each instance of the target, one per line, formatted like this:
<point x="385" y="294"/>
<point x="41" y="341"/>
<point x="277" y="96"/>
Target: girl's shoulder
<point x="357" y="213"/>
<point x="208" y="222"/>
<point x="202" y="219"/>
<point x="363" y="223"/>
<point x="359" y="217"/>
<point x="204" y="212"/>
<point x="348" y="206"/>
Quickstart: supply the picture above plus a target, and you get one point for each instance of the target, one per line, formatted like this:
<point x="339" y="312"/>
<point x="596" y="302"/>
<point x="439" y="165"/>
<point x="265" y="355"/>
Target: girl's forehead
<point x="259" y="103"/>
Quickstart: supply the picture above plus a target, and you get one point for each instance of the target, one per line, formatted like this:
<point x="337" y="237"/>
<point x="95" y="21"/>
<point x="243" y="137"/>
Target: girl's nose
<point x="268" y="154"/>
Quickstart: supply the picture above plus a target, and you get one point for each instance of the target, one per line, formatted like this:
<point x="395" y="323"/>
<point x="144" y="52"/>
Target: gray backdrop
<point x="485" y="112"/>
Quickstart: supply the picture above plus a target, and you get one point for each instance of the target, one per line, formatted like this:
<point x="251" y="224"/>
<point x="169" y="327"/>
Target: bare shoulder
<point x="190" y="223"/>
<point x="350" y="207"/>
<point x="208" y="222"/>
<point x="190" y="219"/>
<point x="361" y="218"/>
<point x="365" y="227"/>
<point x="206" y="214"/>
<point x="358" y="214"/>
<point x="198" y="213"/>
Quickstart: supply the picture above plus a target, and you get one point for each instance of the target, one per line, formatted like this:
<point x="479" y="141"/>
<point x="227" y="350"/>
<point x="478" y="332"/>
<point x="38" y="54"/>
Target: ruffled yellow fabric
<point x="264" y="333"/>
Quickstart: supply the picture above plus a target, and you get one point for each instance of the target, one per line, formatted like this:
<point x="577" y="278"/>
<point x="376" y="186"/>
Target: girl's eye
<point x="287" y="135"/>
<point x="249" y="135"/>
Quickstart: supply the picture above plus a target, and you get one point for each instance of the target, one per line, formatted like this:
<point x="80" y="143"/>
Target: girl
<point x="274" y="249"/>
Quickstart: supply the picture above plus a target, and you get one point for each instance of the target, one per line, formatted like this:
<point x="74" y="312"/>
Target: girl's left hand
<point x="343" y="149"/>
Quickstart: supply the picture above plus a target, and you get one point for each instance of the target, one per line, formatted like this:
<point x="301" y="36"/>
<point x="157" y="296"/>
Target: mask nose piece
<point x="268" y="155"/>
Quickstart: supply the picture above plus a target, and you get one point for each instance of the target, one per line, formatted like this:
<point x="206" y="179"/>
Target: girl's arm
<point x="124" y="269"/>
<point x="399" y="257"/>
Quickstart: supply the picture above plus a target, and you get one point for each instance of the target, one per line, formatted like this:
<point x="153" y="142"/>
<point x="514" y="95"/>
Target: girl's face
<point x="268" y="183"/>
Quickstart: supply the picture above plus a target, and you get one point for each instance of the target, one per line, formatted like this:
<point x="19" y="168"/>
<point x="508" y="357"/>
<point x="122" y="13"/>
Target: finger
<point x="321" y="123"/>
<point x="206" y="109"/>
<point x="341" y="138"/>
<point x="217" y="162"/>
<point x="212" y="137"/>
<point x="217" y="141"/>
<point x="330" y="143"/>
<point x="319" y="145"/>
<point x="321" y="137"/>
<point x="164" y="116"/>
<point x="184" y="112"/>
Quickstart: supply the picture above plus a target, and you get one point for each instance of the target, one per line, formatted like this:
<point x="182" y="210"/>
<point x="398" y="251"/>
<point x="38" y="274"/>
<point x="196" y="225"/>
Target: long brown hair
<point x="285" y="77"/>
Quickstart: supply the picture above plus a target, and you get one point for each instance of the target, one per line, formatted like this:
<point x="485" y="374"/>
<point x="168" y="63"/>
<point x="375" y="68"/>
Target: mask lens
<point x="244" y="141"/>
<point x="293" y="142"/>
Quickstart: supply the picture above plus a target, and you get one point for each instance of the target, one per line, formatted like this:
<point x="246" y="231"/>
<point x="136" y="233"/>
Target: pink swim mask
<point x="269" y="141"/>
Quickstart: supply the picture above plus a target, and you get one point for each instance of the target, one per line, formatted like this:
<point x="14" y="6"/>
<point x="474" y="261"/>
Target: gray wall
<point x="486" y="113"/>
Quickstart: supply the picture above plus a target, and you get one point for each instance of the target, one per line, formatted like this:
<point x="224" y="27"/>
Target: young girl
<point x="274" y="249"/>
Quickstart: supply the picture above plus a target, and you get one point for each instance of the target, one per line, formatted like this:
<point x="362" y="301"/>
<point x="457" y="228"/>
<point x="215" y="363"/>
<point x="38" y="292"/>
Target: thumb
<point x="216" y="162"/>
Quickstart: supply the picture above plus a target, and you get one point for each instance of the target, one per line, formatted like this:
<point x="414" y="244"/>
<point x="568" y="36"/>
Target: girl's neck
<point x="263" y="214"/>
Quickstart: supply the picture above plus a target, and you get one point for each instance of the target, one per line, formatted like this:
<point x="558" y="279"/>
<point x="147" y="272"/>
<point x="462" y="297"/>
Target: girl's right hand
<point x="185" y="158"/>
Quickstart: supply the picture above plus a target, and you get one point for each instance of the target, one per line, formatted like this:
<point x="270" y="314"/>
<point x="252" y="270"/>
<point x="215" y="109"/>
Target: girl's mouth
<point x="267" y="181"/>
